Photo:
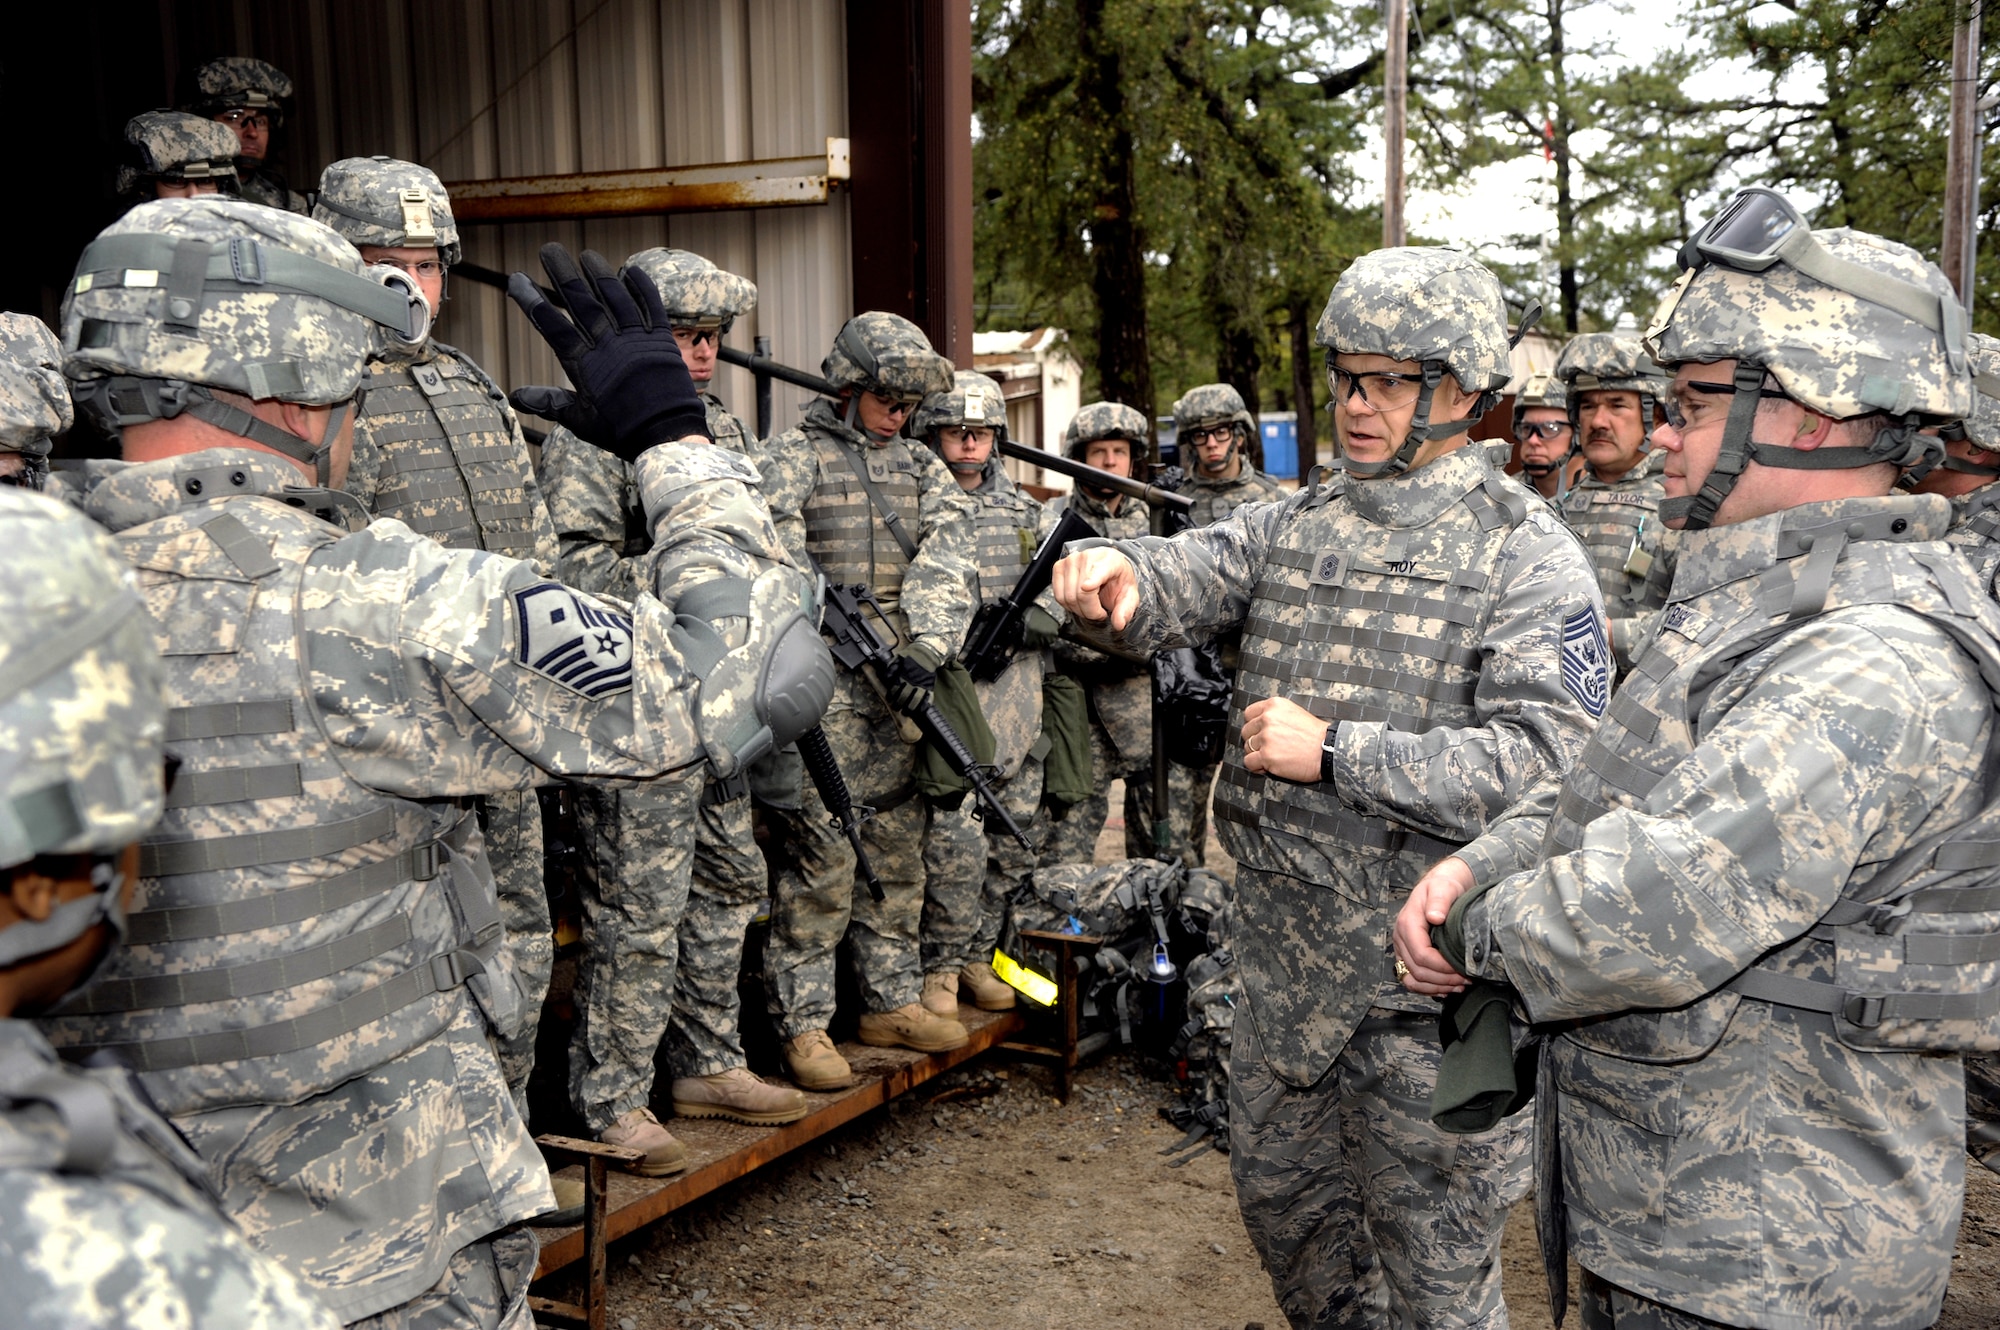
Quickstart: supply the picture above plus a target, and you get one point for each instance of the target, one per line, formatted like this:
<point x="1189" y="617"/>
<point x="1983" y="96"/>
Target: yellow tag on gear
<point x="1030" y="985"/>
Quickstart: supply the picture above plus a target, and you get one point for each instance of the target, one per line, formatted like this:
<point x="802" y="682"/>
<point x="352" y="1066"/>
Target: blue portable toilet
<point x="1281" y="443"/>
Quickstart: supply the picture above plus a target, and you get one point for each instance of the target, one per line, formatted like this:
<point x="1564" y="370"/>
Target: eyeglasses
<point x="1684" y="402"/>
<point x="1540" y="429"/>
<point x="696" y="336"/>
<point x="1382" y="392"/>
<point x="1759" y="227"/>
<point x="894" y="405"/>
<point x="1219" y="433"/>
<point x="420" y="268"/>
<point x="966" y="434"/>
<point x="246" y="119"/>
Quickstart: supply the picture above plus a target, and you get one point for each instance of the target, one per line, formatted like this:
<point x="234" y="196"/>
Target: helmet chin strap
<point x="204" y="406"/>
<point x="1899" y="445"/>
<point x="852" y="419"/>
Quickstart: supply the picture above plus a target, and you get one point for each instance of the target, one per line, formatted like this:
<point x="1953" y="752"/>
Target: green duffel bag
<point x="1066" y="725"/>
<point x="958" y="701"/>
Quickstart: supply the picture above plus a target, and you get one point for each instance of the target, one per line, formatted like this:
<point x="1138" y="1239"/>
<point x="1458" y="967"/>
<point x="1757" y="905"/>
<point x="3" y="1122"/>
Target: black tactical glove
<point x="911" y="676"/>
<point x="615" y="343"/>
<point x="1038" y="628"/>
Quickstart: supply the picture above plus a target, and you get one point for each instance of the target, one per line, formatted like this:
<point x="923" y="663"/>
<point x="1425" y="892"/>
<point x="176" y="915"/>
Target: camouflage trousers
<point x="512" y="824"/>
<point x="485" y="1287"/>
<point x="819" y="898"/>
<point x="730" y="881"/>
<point x="1189" y="790"/>
<point x="970" y="873"/>
<point x="1364" y="1212"/>
<point x="1074" y="839"/>
<point x="641" y="853"/>
<point x="1605" y="1306"/>
<point x="1982" y="1108"/>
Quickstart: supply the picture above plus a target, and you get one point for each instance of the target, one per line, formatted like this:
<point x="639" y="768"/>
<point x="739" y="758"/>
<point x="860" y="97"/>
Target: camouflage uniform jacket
<point x="1724" y="1155"/>
<point x="263" y="187"/>
<point x="315" y="918"/>
<point x="1131" y="521"/>
<point x="1975" y="529"/>
<point x="1010" y="527"/>
<point x="438" y="447"/>
<point x="105" y="1219"/>
<point x="1619" y="523"/>
<point x="1217" y="499"/>
<point x="934" y="597"/>
<point x="1446" y="625"/>
<point x="593" y="500"/>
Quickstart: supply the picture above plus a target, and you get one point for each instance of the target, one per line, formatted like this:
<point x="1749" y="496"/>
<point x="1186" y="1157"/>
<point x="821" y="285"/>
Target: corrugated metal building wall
<point x="477" y="89"/>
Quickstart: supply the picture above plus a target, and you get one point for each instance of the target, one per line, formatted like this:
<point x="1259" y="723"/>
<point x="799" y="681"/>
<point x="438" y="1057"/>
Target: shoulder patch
<point x="581" y="644"/>
<point x="1586" y="663"/>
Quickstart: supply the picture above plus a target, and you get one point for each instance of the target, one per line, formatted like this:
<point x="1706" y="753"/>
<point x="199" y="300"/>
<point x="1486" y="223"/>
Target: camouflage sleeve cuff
<point x="1490" y="858"/>
<point x="1461" y="938"/>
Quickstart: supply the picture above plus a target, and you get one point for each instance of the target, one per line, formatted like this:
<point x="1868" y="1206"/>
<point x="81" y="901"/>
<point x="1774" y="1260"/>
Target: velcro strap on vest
<point x="1343" y="826"/>
<point x="187" y="922"/>
<point x="202" y="789"/>
<point x="226" y="720"/>
<point x="250" y="554"/>
<point x="220" y="853"/>
<point x="247" y="980"/>
<point x="89" y="1115"/>
<point x="438" y="975"/>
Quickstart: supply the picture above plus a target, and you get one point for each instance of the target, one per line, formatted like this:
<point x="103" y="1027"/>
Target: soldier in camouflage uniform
<point x="1546" y="438"/>
<point x="1615" y="390"/>
<point x="677" y="875"/>
<point x="315" y="966"/>
<point x="1212" y="428"/>
<point x="34" y="400"/>
<point x="969" y="876"/>
<point x="249" y="95"/>
<point x="177" y="155"/>
<point x="1422" y="640"/>
<point x="1715" y="906"/>
<point x="834" y="481"/>
<point x="87" y="1168"/>
<point x="1107" y="435"/>
<point x="437" y="446"/>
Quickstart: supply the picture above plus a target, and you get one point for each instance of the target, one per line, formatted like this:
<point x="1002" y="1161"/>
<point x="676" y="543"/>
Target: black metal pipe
<point x="762" y="365"/>
<point x="1137" y="489"/>
<point x="763" y="345"/>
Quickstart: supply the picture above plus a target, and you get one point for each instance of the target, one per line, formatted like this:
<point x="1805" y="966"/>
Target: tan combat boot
<point x="989" y="991"/>
<point x="569" y="1205"/>
<point x="912" y="1027"/>
<point x="640" y="1130"/>
<point x="739" y="1096"/>
<point x="816" y="1064"/>
<point x="941" y="995"/>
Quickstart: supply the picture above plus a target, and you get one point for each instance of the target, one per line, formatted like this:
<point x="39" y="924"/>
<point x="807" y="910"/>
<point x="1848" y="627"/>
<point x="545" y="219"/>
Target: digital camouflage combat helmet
<point x="1981" y="429"/>
<point x="34" y="398"/>
<point x="1104" y="420"/>
<point x="1845" y="323"/>
<point x="1210" y="405"/>
<point x="181" y="149"/>
<point x="82" y="714"/>
<point x="887" y="354"/>
<point x="1543" y="390"/>
<point x="242" y="82"/>
<point x="383" y="202"/>
<point x="1432" y="306"/>
<point x="697" y="294"/>
<point x="1617" y="362"/>
<point x="181" y="297"/>
<point x="972" y="402"/>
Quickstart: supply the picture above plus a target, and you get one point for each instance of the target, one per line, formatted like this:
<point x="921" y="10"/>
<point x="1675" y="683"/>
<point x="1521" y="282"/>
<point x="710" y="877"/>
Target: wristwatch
<point x="1326" y="753"/>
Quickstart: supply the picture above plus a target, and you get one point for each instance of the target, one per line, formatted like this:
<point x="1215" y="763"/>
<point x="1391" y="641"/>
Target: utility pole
<point x="1395" y="110"/>
<point x="1961" y="180"/>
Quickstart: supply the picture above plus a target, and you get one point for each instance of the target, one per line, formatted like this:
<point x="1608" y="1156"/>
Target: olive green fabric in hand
<point x="958" y="701"/>
<point x="1481" y="1079"/>
<point x="1066" y="725"/>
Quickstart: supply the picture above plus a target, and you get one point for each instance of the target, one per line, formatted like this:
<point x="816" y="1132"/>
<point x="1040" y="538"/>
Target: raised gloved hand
<point x="1038" y="628"/>
<point x="614" y="341"/>
<point x="911" y="676"/>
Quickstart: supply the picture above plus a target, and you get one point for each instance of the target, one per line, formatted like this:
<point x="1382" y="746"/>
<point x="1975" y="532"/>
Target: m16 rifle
<point x="996" y="629"/>
<point x="832" y="787"/>
<point x="860" y="648"/>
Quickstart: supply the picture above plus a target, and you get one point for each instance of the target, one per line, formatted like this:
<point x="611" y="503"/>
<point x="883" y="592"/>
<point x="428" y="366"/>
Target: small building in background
<point x="1043" y="386"/>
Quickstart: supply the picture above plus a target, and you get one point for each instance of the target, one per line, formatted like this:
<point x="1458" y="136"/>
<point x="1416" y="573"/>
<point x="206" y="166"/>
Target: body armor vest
<point x="1343" y="622"/>
<point x="450" y="468"/>
<point x="292" y="928"/>
<point x="1975" y="531"/>
<point x="1619" y="524"/>
<point x="1004" y="543"/>
<point x="1217" y="499"/>
<point x="1913" y="949"/>
<point x="845" y="533"/>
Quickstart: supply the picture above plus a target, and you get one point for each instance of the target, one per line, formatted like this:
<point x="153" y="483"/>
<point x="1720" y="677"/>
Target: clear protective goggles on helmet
<point x="1759" y="228"/>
